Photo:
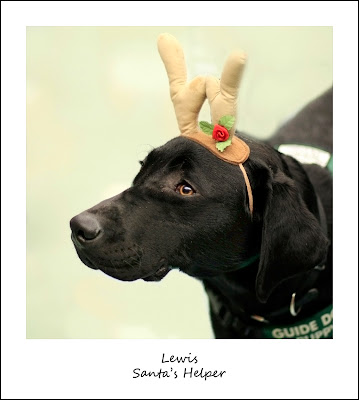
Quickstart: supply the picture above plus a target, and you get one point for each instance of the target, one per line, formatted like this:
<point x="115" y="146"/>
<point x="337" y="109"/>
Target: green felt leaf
<point x="227" y="121"/>
<point x="222" y="145"/>
<point x="206" y="127"/>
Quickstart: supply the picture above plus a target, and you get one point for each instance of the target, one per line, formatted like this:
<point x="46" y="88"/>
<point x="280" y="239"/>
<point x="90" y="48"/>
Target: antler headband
<point x="188" y="98"/>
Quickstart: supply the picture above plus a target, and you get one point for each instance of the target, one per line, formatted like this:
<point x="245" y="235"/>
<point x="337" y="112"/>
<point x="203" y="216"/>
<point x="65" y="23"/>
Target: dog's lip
<point x="81" y="255"/>
<point x="160" y="273"/>
<point x="116" y="273"/>
<point x="87" y="262"/>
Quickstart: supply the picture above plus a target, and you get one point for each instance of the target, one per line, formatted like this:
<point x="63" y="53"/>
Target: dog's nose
<point x="85" y="227"/>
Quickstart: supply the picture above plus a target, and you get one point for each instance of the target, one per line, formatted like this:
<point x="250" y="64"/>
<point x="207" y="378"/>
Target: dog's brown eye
<point x="184" y="189"/>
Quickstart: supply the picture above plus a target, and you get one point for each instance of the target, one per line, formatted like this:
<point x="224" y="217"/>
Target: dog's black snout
<point x="85" y="227"/>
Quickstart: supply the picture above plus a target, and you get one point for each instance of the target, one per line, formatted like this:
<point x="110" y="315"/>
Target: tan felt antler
<point x="222" y="94"/>
<point x="187" y="97"/>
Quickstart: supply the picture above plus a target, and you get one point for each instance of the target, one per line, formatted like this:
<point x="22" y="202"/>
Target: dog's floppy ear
<point x="292" y="239"/>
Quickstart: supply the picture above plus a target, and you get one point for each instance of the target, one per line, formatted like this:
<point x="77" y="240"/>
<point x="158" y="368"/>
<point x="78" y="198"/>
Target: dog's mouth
<point x="126" y="272"/>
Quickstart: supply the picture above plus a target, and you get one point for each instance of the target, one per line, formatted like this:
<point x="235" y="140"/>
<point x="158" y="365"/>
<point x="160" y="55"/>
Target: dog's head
<point x="187" y="209"/>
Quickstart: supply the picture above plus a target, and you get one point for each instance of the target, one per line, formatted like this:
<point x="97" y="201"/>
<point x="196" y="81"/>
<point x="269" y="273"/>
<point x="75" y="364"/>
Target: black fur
<point x="312" y="125"/>
<point x="150" y="228"/>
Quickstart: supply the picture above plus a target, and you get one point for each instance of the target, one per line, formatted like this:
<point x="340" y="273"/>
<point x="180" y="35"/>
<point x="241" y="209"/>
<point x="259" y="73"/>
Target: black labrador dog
<point x="187" y="209"/>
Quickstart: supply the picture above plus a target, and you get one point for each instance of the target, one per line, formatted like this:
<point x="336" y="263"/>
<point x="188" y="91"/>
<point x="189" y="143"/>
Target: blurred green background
<point x="97" y="102"/>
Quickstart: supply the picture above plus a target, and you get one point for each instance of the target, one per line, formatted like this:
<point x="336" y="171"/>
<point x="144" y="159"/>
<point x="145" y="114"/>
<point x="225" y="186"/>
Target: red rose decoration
<point x="220" y="133"/>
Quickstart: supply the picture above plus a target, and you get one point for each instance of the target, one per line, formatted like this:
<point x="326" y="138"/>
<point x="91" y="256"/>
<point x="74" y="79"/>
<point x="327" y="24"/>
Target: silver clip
<point x="320" y="267"/>
<point x="292" y="306"/>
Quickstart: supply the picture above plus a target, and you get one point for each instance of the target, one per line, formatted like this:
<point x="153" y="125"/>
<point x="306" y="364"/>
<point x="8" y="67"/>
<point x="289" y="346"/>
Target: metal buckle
<point x="320" y="267"/>
<point x="292" y="310"/>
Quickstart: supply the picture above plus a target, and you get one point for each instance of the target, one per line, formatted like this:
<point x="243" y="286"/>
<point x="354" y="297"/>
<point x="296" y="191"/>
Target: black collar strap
<point x="248" y="261"/>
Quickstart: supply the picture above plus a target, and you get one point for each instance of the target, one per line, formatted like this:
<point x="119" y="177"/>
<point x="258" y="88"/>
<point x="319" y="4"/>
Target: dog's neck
<point x="238" y="287"/>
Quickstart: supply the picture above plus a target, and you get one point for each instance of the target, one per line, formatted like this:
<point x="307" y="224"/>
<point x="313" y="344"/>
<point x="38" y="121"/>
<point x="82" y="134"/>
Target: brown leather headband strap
<point x="249" y="189"/>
